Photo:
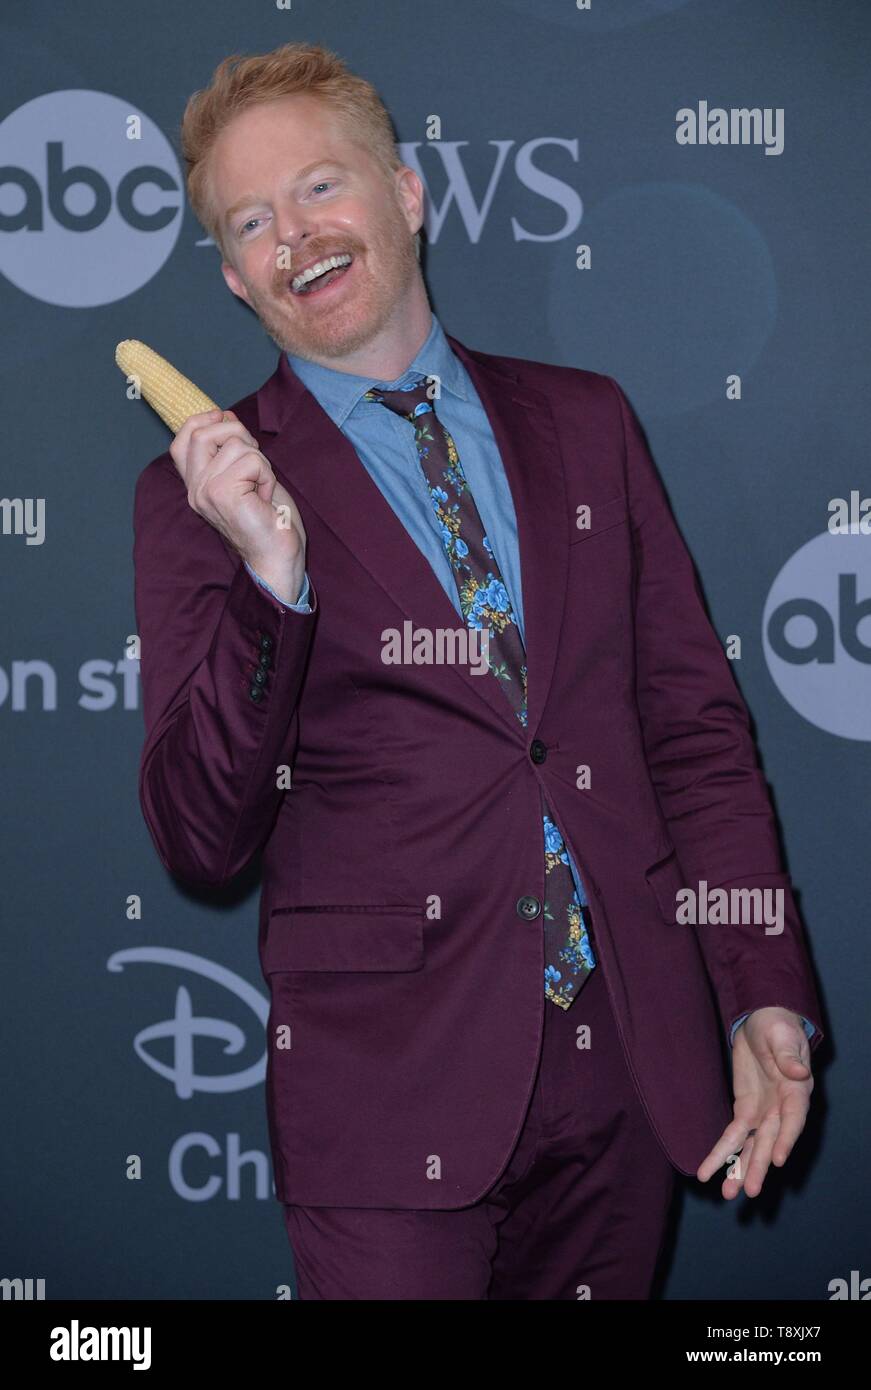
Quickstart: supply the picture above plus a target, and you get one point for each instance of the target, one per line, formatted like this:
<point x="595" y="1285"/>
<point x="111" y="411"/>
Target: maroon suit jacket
<point x="390" y="934"/>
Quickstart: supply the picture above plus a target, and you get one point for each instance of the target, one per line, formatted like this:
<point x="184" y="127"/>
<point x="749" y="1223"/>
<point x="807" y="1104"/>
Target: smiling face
<point x="287" y="184"/>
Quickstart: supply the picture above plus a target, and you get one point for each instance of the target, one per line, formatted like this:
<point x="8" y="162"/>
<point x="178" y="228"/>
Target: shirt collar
<point x="339" y="392"/>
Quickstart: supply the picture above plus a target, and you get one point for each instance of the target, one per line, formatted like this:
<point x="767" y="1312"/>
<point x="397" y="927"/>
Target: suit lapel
<point x="314" y="458"/>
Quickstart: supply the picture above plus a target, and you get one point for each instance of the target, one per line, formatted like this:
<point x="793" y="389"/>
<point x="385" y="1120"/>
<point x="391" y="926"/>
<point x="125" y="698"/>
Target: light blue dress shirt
<point x="386" y="448"/>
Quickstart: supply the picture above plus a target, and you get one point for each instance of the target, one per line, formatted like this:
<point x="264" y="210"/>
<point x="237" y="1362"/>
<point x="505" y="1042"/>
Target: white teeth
<point x="319" y="268"/>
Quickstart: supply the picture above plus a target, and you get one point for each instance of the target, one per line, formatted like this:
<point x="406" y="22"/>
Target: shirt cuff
<point x="302" y="604"/>
<point x="809" y="1028"/>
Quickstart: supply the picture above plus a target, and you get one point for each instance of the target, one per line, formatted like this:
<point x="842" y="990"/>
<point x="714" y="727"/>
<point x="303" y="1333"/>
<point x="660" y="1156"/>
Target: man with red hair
<point x="492" y="1041"/>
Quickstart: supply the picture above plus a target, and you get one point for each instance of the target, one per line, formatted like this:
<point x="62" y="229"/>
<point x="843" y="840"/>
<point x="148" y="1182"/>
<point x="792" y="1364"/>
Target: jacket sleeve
<point x="703" y="762"/>
<point x="222" y="662"/>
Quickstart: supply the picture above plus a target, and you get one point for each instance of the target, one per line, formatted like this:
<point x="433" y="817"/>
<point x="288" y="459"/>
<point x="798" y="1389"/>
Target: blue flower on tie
<point x="497" y="596"/>
<point x="552" y="976"/>
<point x="461" y="547"/>
<point x="439" y="493"/>
<point x="479" y="603"/>
<point x="553" y="840"/>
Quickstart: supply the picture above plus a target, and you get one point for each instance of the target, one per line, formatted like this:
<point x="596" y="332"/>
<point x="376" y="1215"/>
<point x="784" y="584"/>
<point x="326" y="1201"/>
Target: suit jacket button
<point x="528" y="908"/>
<point x="256" y="693"/>
<point x="537" y="751"/>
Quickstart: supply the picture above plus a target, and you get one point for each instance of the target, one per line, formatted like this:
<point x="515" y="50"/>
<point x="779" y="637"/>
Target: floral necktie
<point x="485" y="604"/>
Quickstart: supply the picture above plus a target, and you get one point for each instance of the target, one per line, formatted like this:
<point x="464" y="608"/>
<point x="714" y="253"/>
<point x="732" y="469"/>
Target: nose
<point x="288" y="250"/>
<point x="294" y="227"/>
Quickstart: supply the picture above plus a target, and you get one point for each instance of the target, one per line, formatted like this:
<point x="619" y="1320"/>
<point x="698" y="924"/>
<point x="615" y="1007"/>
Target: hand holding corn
<point x="229" y="481"/>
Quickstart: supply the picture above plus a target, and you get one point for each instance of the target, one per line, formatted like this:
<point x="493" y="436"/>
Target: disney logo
<point x="185" y="1026"/>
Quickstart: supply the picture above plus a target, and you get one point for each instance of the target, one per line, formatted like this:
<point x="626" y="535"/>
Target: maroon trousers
<point x="579" y="1212"/>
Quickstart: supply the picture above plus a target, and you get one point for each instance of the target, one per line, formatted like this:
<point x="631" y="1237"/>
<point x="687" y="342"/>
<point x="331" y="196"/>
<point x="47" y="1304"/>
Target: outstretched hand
<point x="772" y="1083"/>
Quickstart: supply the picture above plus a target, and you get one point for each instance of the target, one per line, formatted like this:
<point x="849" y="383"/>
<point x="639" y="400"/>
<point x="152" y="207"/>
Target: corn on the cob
<point x="172" y="395"/>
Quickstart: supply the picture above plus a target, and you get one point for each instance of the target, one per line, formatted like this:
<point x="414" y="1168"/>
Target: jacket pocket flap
<point x="603" y="515"/>
<point x="352" y="937"/>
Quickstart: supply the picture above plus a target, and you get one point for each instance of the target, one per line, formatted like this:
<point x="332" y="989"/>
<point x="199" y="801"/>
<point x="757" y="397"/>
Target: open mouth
<point x="325" y="272"/>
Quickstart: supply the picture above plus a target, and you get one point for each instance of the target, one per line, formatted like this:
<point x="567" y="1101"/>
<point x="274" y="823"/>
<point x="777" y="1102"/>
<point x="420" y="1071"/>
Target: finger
<point x="793" y="1117"/>
<point x="791" y="1063"/>
<point x="181" y="441"/>
<point x="247" y="472"/>
<point x="200" y="417"/>
<point x="200" y="439"/>
<point x="738" y="1162"/>
<point x="214" y="434"/>
<point x="243" y="478"/>
<point x="230" y="451"/>
<point x="730" y="1142"/>
<point x="210" y="449"/>
<point x="764" y="1140"/>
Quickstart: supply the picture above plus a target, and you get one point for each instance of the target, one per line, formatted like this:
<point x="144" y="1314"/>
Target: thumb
<point x="789" y="1062"/>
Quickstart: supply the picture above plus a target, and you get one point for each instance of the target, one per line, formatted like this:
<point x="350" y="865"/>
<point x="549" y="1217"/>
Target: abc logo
<point x="87" y="215"/>
<point x="816" y="632"/>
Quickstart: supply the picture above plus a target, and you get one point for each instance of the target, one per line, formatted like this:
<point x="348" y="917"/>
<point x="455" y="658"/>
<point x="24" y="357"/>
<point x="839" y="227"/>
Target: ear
<point x="234" y="282"/>
<point x="409" y="191"/>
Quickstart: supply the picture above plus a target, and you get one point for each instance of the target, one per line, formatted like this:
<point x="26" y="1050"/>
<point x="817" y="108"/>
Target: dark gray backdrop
<point x="706" y="261"/>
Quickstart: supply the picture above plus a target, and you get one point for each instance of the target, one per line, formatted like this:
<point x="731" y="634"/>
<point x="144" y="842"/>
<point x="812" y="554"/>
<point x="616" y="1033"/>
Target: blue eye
<point x="325" y="183"/>
<point x="248" y="223"/>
